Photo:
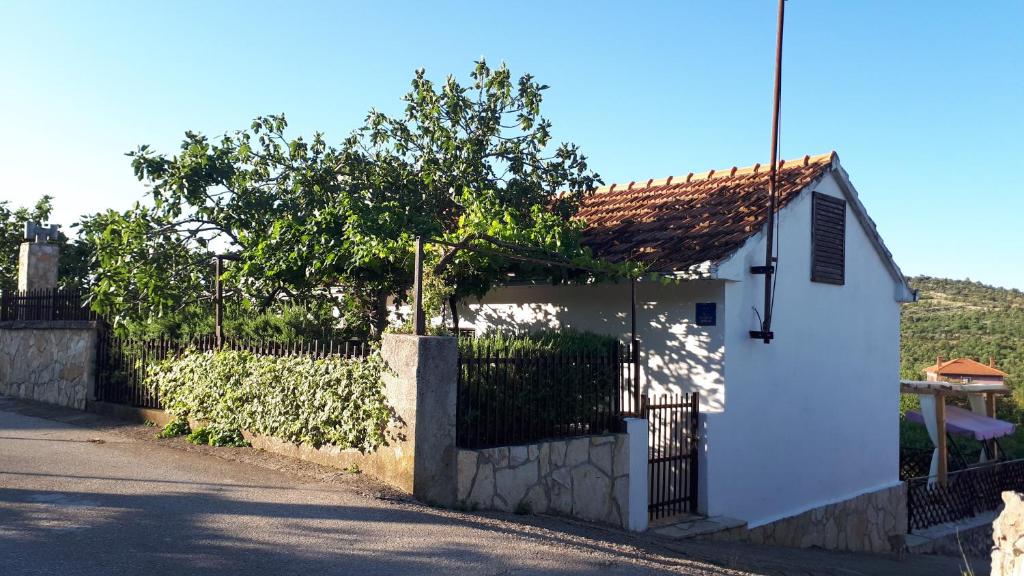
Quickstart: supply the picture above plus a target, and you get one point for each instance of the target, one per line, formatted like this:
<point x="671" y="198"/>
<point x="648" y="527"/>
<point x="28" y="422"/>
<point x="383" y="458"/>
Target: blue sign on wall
<point x="707" y="314"/>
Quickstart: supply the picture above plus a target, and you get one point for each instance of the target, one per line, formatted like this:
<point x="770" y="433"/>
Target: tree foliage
<point x="471" y="168"/>
<point x="472" y="165"/>
<point x="143" y="266"/>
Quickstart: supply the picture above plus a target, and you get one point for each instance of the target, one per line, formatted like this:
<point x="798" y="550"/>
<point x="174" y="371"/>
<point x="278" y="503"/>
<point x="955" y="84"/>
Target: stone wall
<point x="872" y="522"/>
<point x="1008" y="537"/>
<point x="586" y="478"/>
<point x="52" y="362"/>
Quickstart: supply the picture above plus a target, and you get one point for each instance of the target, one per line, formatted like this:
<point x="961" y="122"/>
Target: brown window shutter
<point x="828" y="239"/>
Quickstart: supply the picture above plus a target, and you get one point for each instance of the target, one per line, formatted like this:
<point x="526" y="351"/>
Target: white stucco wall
<point x="808" y="420"/>
<point x="811" y="418"/>
<point x="677" y="355"/>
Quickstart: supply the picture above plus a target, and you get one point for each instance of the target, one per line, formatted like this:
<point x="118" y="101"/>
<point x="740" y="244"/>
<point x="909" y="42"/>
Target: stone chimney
<point x="934" y="376"/>
<point x="38" y="256"/>
<point x="992" y="361"/>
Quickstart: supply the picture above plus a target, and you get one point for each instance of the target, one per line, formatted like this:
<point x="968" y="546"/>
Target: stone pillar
<point x="37" y="266"/>
<point x="421" y="389"/>
<point x="1008" y="537"/>
<point x="636" y="429"/>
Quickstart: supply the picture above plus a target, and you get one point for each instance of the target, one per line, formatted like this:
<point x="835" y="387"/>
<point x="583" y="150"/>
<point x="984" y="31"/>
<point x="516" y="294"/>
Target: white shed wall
<point x="677" y="355"/>
<point x="811" y="418"/>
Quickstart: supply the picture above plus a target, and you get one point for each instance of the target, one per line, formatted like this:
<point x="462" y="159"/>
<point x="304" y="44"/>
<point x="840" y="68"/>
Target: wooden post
<point x="218" y="303"/>
<point x="940" y="425"/>
<point x="418" y="320"/>
<point x="990" y="411"/>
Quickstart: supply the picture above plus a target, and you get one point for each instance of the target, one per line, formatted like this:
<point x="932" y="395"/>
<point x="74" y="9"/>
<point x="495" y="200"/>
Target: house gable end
<point x="736" y="266"/>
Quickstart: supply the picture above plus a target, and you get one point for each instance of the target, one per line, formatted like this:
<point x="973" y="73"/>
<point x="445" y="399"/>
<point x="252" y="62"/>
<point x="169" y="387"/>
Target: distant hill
<point x="956" y="318"/>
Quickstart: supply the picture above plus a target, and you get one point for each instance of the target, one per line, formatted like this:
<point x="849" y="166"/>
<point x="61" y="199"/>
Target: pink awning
<point x="960" y="421"/>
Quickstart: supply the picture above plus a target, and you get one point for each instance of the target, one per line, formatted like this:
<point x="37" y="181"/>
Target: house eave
<point x="706" y="270"/>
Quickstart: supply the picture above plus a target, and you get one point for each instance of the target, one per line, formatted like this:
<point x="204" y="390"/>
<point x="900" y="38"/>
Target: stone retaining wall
<point x="971" y="537"/>
<point x="52" y="362"/>
<point x="586" y="478"/>
<point x="872" y="522"/>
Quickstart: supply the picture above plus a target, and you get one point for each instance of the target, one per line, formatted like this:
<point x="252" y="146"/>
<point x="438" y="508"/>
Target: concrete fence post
<point x="636" y="429"/>
<point x="421" y="389"/>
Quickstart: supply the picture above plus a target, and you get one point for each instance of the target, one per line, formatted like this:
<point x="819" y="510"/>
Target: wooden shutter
<point x="828" y="239"/>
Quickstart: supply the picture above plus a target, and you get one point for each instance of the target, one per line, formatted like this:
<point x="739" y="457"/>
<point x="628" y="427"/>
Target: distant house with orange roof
<point x="965" y="371"/>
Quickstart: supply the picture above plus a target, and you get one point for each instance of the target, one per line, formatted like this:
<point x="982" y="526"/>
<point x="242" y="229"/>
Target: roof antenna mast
<point x="765" y="333"/>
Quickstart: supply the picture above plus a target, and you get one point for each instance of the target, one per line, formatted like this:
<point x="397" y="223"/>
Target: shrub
<point x="282" y="322"/>
<point x="332" y="400"/>
<point x="555" y="381"/>
<point x="557" y="341"/>
<point x="177" y="427"/>
<point x="214" y="435"/>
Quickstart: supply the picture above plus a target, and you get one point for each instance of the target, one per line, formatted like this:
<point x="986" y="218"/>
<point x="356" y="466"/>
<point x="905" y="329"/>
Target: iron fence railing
<point x="59" y="304"/>
<point x="124" y="363"/>
<point x="964" y="494"/>
<point x="517" y="397"/>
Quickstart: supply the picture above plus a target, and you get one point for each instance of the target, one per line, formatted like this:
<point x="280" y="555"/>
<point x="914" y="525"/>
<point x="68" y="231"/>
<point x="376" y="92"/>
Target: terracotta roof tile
<point x="676" y="223"/>
<point x="964" y="367"/>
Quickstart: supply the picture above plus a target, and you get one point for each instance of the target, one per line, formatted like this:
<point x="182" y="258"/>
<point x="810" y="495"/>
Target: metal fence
<point x="673" y="433"/>
<point x="124" y="363"/>
<point x="45" y="305"/>
<point x="914" y="462"/>
<point x="516" y="397"/>
<point x="965" y="493"/>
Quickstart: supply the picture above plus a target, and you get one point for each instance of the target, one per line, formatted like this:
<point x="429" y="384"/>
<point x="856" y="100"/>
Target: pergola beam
<point x="950" y="388"/>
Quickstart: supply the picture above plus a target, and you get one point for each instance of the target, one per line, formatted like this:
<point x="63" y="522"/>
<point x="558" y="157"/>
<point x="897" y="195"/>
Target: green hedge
<point x="332" y="401"/>
<point x="521" y="388"/>
<point x="556" y="341"/>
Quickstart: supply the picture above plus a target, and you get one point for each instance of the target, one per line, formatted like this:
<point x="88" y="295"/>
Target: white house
<point x="810" y="419"/>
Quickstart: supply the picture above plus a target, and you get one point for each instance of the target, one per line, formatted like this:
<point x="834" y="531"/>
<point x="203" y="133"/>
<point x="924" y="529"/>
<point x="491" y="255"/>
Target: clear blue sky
<point x="922" y="100"/>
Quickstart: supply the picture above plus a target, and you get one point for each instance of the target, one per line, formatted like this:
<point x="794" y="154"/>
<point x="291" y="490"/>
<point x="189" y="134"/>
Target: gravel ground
<point x="85" y="495"/>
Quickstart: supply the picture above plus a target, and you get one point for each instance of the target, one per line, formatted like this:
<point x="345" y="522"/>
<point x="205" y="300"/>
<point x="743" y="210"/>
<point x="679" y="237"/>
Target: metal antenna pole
<point x="769" y="251"/>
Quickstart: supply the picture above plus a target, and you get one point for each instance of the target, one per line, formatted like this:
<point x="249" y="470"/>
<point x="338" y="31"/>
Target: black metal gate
<point x="673" y="422"/>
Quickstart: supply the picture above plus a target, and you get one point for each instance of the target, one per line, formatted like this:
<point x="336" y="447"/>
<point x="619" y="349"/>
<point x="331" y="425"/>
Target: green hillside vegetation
<point x="961" y="318"/>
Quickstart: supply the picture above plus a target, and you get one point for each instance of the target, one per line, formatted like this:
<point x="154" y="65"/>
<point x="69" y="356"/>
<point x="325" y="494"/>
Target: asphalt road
<point x="78" y="501"/>
<point x="81" y="496"/>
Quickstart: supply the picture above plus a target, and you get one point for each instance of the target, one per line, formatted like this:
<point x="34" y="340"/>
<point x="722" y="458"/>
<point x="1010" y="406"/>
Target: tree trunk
<point x="454" y="305"/>
<point x="378" y="313"/>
